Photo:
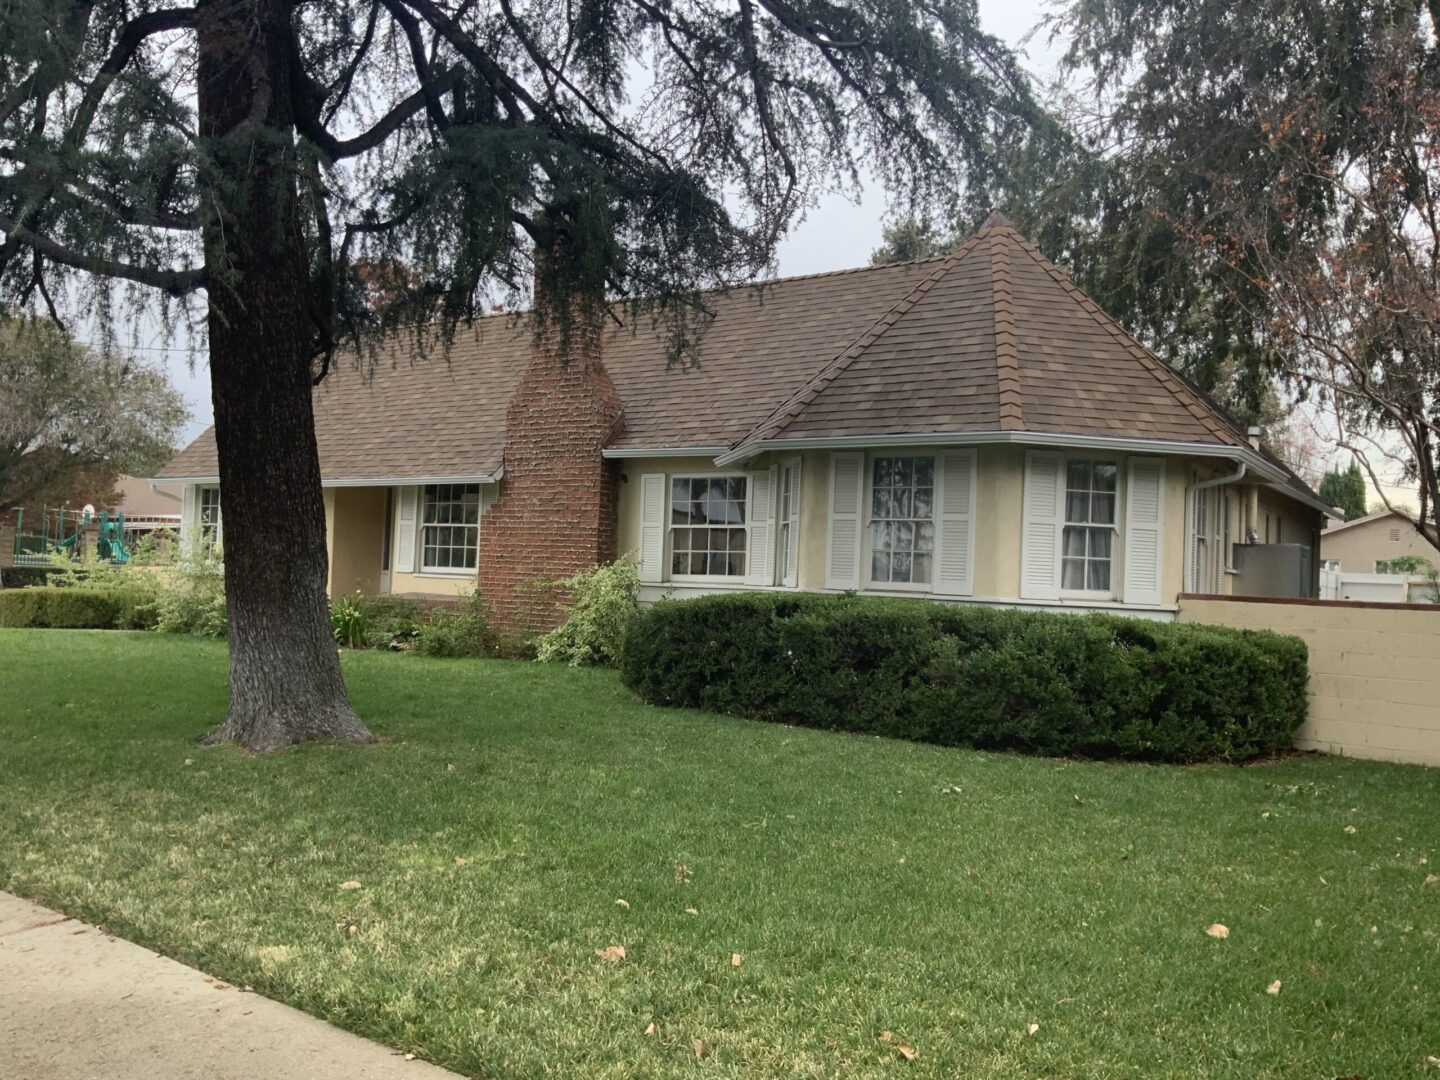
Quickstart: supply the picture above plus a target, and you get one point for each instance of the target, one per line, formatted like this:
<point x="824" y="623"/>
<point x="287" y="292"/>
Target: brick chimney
<point x="557" y="507"/>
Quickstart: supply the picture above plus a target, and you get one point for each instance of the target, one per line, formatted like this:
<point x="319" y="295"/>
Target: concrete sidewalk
<point x="78" y="1005"/>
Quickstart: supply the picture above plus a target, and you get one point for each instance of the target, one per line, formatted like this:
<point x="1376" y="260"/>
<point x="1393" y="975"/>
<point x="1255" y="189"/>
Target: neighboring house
<point x="967" y="428"/>
<point x="1362" y="545"/>
<point x="147" y="508"/>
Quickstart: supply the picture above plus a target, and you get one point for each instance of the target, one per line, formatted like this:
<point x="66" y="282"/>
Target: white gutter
<point x="155" y="487"/>
<point x="1190" y="491"/>
<point x="663" y="451"/>
<point x="378" y="481"/>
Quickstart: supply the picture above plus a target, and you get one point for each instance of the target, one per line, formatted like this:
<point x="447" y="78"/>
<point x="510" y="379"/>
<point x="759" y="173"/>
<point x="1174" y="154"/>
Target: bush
<point x="77" y="609"/>
<point x="461" y="631"/>
<point x="606" y="601"/>
<point x="192" y="600"/>
<point x="20" y="577"/>
<point x="350" y="621"/>
<point x="392" y="621"/>
<point x="1091" y="685"/>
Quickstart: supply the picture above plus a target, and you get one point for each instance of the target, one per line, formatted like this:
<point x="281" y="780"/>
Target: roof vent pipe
<point x="1253" y="431"/>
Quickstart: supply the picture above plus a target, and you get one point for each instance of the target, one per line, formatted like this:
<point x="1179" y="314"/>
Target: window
<point x="1089" y="544"/>
<point x="387" y="530"/>
<point x="902" y="520"/>
<point x="709" y="536"/>
<point x="209" y="516"/>
<point x="450" y="528"/>
<point x="788" y="521"/>
<point x="1229" y="533"/>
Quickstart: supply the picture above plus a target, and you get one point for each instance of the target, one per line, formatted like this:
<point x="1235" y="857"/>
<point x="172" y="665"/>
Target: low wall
<point x="1374" y="670"/>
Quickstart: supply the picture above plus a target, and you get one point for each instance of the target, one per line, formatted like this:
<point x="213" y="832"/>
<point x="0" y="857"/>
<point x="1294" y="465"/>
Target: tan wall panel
<point x="354" y="518"/>
<point x="1374" y="672"/>
<point x="1359" y="547"/>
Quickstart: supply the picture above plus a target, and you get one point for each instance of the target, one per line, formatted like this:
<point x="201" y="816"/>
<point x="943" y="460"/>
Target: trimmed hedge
<point x="77" y="609"/>
<point x="959" y="675"/>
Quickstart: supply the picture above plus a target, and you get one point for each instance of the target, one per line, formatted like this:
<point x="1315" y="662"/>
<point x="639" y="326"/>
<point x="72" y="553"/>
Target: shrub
<point x="606" y="601"/>
<point x="192" y="600"/>
<point x="350" y="621"/>
<point x="20" y="577"/>
<point x="461" y="631"/>
<point x="77" y="609"/>
<point x="1092" y="685"/>
<point x="392" y="621"/>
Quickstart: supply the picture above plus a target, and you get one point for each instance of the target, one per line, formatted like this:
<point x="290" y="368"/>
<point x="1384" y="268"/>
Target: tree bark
<point x="285" y="681"/>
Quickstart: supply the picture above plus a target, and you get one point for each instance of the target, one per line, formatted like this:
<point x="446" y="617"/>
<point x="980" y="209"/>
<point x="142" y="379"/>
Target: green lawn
<point x="950" y="897"/>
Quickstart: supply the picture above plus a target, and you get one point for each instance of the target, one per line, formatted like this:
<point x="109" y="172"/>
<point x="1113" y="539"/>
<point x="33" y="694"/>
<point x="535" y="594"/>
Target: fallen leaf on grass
<point x="1273" y="988"/>
<point x="350" y="885"/>
<point x="409" y="1057"/>
<point x="189" y="761"/>
<point x="691" y="911"/>
<point x="1032" y="1029"/>
<point x="702" y="1049"/>
<point x="887" y="1036"/>
<point x="221" y="986"/>
<point x="650" y="1030"/>
<point x="735" y="959"/>
<point x="623" y="903"/>
<point x="613" y="954"/>
<point x="1351" y="829"/>
<point x="1218" y="931"/>
<point x="1432" y="879"/>
<point x="906" y="1051"/>
<point x="460" y="860"/>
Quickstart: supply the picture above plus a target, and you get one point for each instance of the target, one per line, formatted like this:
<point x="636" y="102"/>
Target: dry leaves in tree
<point x="611" y="954"/>
<point x="1273" y="988"/>
<point x="350" y="885"/>
<point x="1218" y="931"/>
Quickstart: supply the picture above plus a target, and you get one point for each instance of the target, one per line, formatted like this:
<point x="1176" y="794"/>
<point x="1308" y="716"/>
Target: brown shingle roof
<point x="991" y="338"/>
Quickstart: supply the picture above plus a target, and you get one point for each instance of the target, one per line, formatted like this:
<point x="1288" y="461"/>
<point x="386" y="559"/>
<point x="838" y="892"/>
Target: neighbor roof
<point x="993" y="338"/>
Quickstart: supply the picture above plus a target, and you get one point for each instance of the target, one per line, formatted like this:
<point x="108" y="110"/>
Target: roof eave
<point x="364" y="481"/>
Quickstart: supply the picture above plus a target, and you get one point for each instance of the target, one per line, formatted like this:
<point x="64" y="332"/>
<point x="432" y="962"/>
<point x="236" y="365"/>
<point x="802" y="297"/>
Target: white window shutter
<point x="189" y="517"/>
<point x="842" y="570"/>
<point x="1145" y="531"/>
<point x="652" y="527"/>
<point x="955" y="558"/>
<point x="1044" y="513"/>
<point x="407" y="515"/>
<point x="760" y="559"/>
<point x="792" y="559"/>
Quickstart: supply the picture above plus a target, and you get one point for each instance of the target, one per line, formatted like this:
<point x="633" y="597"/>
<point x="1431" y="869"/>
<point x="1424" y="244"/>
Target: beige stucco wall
<point x="1374" y="671"/>
<point x="1000" y="485"/>
<point x="1360" y="546"/>
<point x="354" y="522"/>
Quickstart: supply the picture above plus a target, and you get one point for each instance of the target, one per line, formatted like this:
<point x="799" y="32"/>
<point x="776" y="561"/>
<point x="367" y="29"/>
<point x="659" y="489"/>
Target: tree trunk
<point x="285" y="681"/>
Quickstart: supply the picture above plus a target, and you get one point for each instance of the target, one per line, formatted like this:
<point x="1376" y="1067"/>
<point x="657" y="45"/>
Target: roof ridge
<point x="1202" y="410"/>
<point x="781" y="416"/>
<point x="1007" y="352"/>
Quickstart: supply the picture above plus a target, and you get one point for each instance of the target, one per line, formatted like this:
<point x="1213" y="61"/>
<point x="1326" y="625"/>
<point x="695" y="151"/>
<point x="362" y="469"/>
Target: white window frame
<point x="1228" y="525"/>
<point x="867" y="507"/>
<point x="1117" y="528"/>
<point x="787" y="518"/>
<point x="212" y="530"/>
<point x="422" y="523"/>
<point x="671" y="526"/>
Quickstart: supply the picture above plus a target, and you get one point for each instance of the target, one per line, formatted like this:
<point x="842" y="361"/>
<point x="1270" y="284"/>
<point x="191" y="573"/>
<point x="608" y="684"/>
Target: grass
<point x="950" y="897"/>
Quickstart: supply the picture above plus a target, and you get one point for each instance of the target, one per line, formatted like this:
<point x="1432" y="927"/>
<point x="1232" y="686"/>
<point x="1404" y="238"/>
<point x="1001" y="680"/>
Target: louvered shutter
<point x="842" y="569"/>
<point x="1044" y="522"/>
<point x="955" y="560"/>
<point x="189" y="517"/>
<point x="760" y="559"/>
<point x="652" y="527"/>
<point x="407" y="515"/>
<point x="792" y="556"/>
<point x="1144" y="531"/>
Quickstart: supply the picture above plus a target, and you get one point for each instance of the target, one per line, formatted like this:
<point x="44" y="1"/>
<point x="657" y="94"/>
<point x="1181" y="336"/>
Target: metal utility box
<point x="1274" y="570"/>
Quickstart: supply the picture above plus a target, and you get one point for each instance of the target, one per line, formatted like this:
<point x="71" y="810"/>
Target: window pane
<point x="1074" y="543"/>
<point x="679" y="562"/>
<point x="924" y="472"/>
<point x="880" y="566"/>
<point x="1078" y="475"/>
<point x="1102" y="509"/>
<point x="920" y="568"/>
<point x="1100" y="540"/>
<point x="699" y="563"/>
<point x="1099" y="576"/>
<point x="1072" y="574"/>
<point x="924" y="506"/>
<point x="900" y="566"/>
<point x="1105" y="472"/>
<point x="1077" y="506"/>
<point x="925" y="537"/>
<point x="737" y="565"/>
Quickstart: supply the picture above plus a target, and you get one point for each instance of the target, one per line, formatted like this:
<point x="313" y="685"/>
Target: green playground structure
<point x="61" y="531"/>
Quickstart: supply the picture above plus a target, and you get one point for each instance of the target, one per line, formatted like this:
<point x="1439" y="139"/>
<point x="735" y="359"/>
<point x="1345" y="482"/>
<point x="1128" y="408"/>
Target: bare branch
<point x="173" y="282"/>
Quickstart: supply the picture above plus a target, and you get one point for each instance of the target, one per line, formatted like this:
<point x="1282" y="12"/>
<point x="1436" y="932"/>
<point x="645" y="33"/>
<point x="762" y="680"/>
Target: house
<point x="967" y="428"/>
<point x="147" y="508"/>
<point x="1362" y="545"/>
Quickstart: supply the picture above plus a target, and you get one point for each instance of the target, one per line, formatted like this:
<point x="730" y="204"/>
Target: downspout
<point x="1190" y="491"/>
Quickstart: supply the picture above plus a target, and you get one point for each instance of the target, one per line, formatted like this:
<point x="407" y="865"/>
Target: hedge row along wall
<point x="1091" y="685"/>
<point x="77" y="609"/>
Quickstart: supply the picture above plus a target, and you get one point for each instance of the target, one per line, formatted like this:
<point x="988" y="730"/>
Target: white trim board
<point x="379" y="481"/>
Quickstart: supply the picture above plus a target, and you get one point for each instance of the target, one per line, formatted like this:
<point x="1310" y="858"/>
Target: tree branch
<point x="173" y="282"/>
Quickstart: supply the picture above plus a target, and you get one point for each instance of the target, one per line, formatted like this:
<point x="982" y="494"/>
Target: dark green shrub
<point x="20" y="577"/>
<point x="459" y="631"/>
<point x="77" y="609"/>
<point x="393" y="621"/>
<point x="1091" y="685"/>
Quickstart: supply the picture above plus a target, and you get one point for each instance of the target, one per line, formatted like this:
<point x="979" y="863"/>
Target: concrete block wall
<point x="1374" y="670"/>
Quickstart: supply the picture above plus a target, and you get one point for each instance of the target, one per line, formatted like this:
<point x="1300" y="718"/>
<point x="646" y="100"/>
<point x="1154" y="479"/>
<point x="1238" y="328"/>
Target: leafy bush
<point x="1091" y="685"/>
<point x="350" y="621"/>
<point x="393" y="621"/>
<point x="192" y="600"/>
<point x="606" y="601"/>
<point x="20" y="577"/>
<point x="77" y="609"/>
<point x="461" y="631"/>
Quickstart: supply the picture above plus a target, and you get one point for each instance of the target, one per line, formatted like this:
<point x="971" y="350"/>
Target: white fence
<point x="1376" y="588"/>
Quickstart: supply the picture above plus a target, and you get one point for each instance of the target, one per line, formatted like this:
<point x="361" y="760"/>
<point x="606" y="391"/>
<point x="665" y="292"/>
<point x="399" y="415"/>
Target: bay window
<point x="208" y="515"/>
<point x="450" y="528"/>
<point x="902" y="520"/>
<point x="709" y="532"/>
<point x="1088" y="552"/>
